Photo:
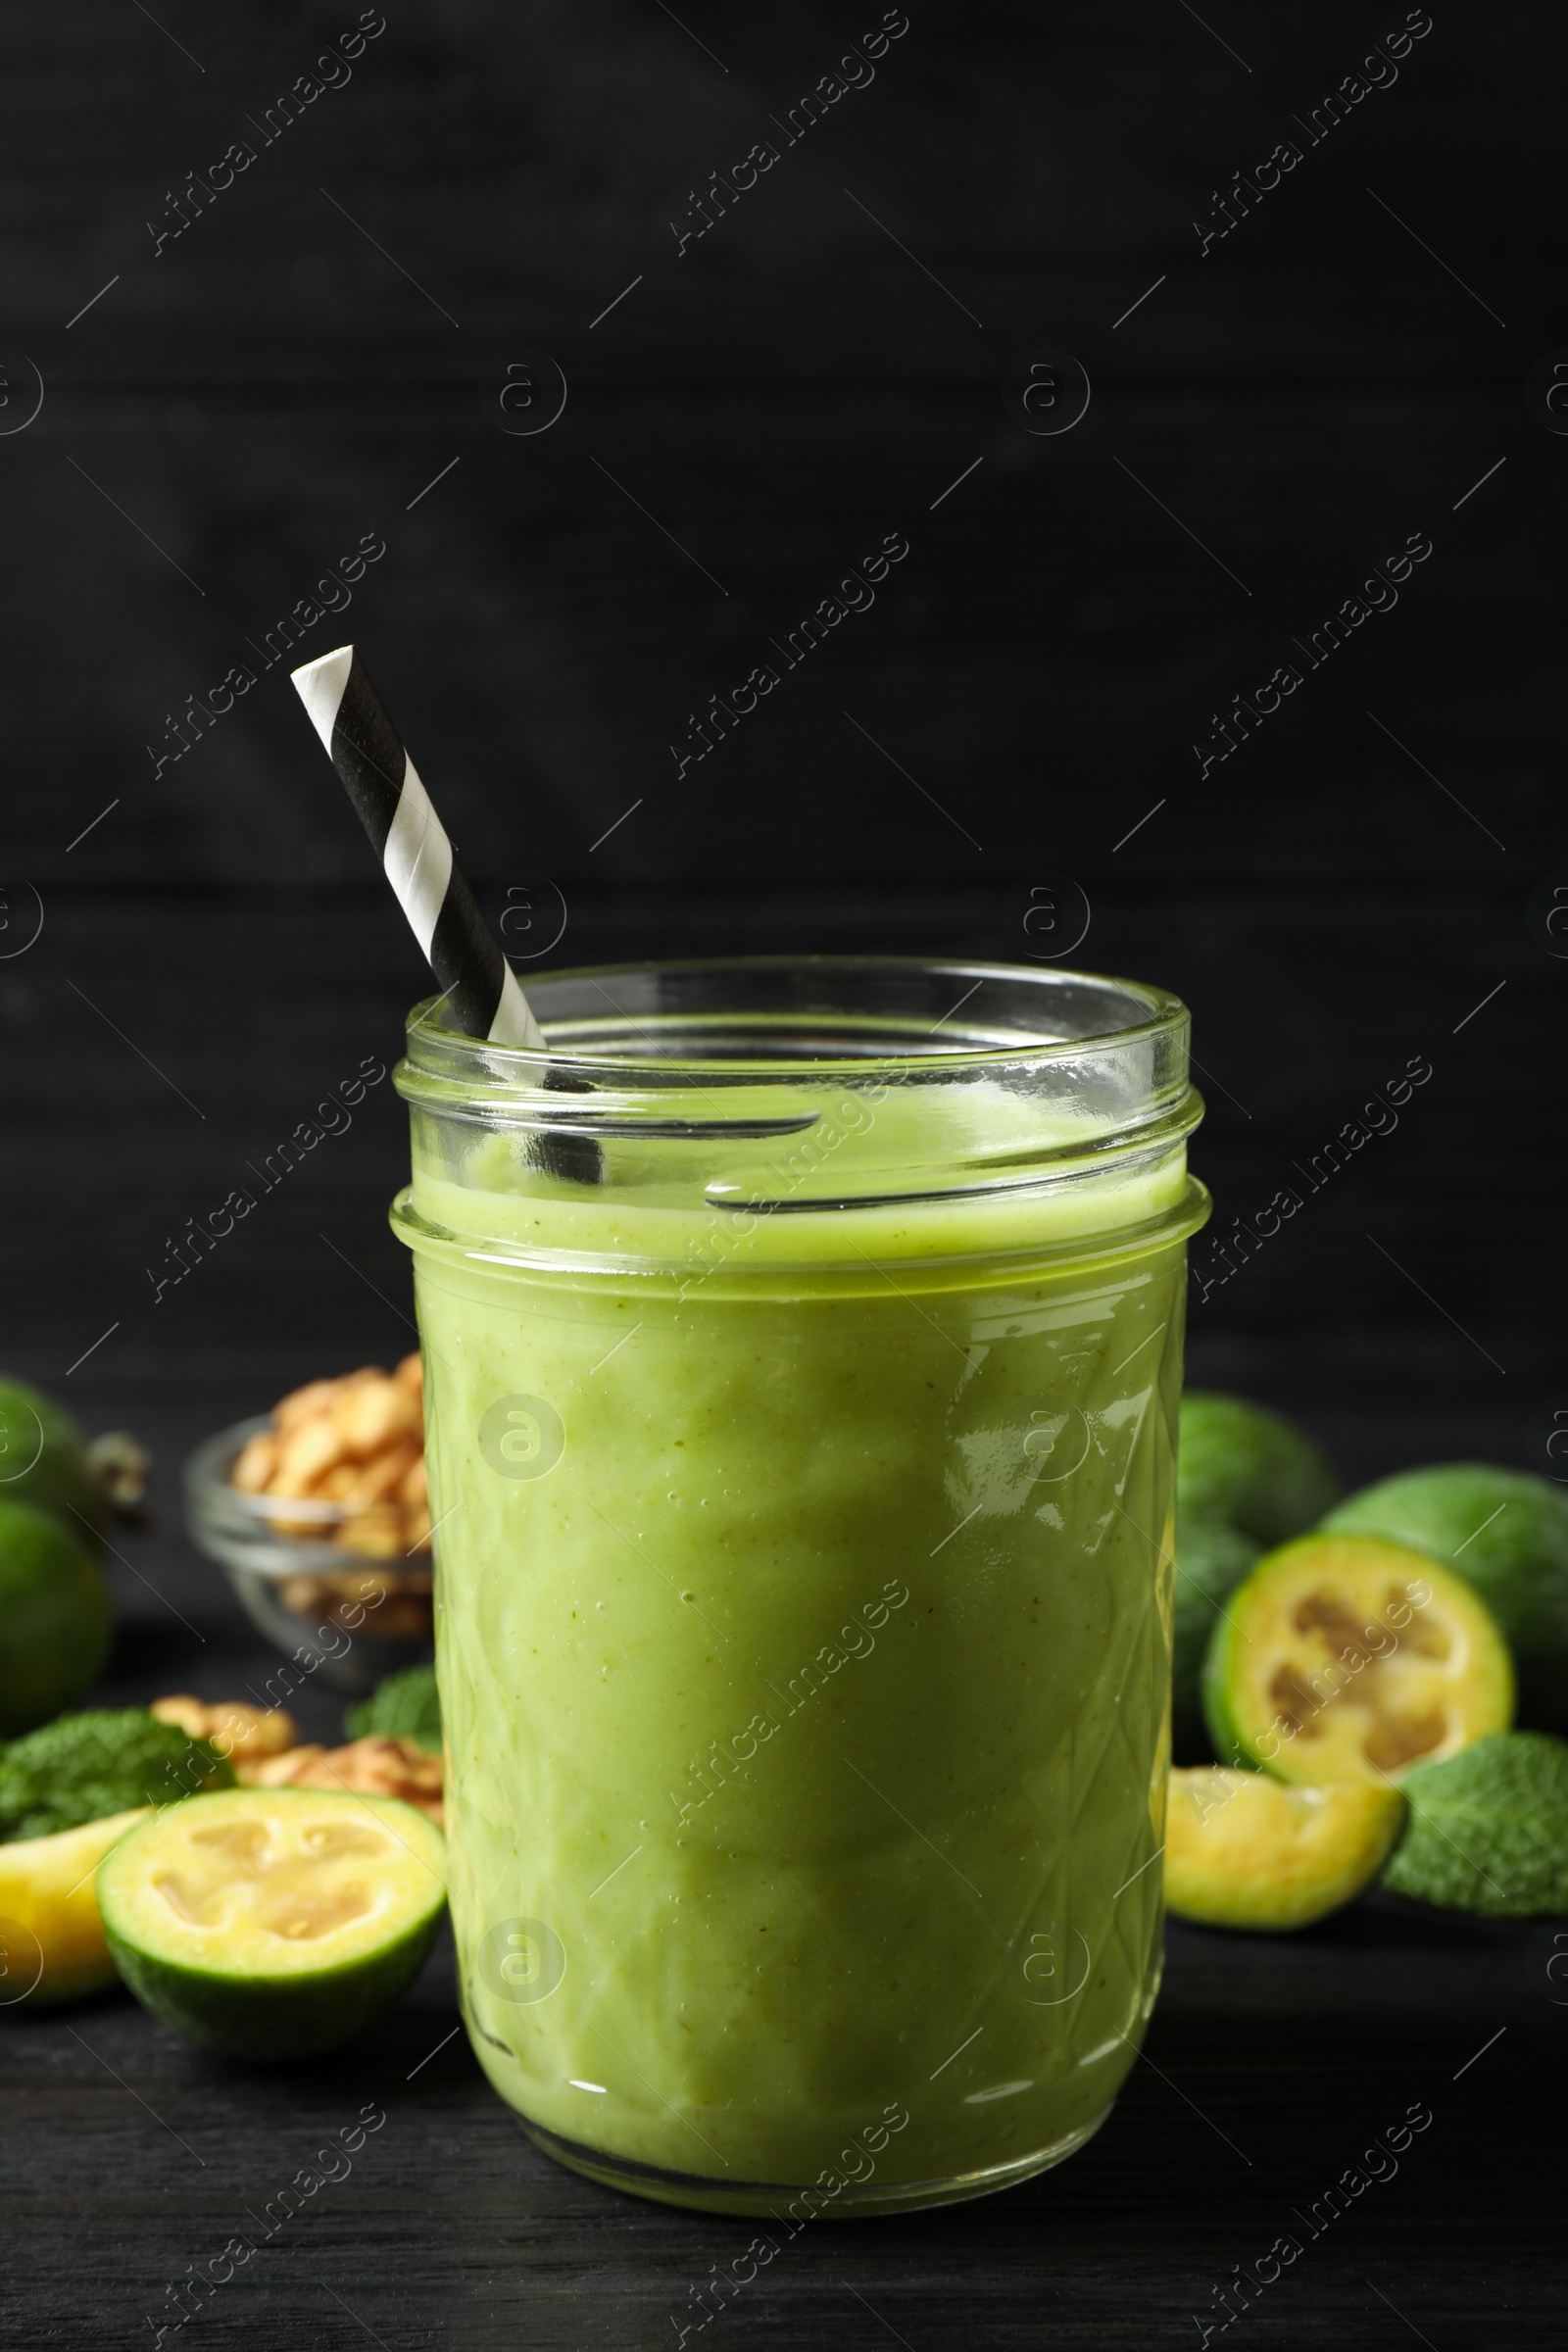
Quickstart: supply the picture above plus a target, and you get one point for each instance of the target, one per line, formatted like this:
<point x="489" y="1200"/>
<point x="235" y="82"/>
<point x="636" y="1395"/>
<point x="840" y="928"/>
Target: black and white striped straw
<point x="383" y="783"/>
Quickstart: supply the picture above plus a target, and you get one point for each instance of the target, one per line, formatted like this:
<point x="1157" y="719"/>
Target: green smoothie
<point x="803" y="1607"/>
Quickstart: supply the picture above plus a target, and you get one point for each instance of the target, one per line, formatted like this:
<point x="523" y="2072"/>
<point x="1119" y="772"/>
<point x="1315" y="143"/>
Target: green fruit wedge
<point x="1238" y="1462"/>
<point x="1342" y="1658"/>
<point x="43" y="1459"/>
<point x="1505" y="1532"/>
<point x="52" y="1946"/>
<point x="274" y="1923"/>
<point x="1489" y="1830"/>
<point x="1212" y="1561"/>
<point x="1242" y="1850"/>
<point x="56" y="1620"/>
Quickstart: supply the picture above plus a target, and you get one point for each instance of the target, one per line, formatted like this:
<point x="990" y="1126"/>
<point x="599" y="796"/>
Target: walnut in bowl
<point x="321" y="1515"/>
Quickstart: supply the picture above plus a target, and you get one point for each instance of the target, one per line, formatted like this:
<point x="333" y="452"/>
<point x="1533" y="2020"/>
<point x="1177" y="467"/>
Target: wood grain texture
<point x="130" y="2158"/>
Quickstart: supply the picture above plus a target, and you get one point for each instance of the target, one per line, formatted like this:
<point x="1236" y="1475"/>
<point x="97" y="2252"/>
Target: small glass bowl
<point x="356" y="1618"/>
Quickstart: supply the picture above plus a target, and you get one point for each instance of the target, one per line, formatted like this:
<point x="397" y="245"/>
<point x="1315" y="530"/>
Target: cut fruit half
<point x="272" y="1923"/>
<point x="1505" y="1532"/>
<point x="52" y="1946"/>
<point x="1242" y="1850"/>
<point x="1343" y="1658"/>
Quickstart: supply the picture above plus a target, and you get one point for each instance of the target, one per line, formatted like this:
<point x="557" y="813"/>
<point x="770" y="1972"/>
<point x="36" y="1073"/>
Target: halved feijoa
<point x="1505" y="1532"/>
<point x="1242" y="1850"/>
<point x="272" y="1923"/>
<point x="1343" y="1658"/>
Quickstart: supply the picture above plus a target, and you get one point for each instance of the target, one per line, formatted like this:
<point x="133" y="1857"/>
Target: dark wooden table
<point x="1273" y="2073"/>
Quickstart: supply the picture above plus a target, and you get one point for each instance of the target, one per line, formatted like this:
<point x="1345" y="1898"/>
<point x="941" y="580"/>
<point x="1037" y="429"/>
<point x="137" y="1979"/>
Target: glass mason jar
<point x="803" y="1347"/>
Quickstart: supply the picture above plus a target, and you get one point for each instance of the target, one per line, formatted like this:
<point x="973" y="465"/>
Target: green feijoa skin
<point x="43" y="1459"/>
<point x="270" y="1923"/>
<point x="1505" y="1532"/>
<point x="1212" y="1561"/>
<point x="1489" y="1830"/>
<point x="1238" y="1462"/>
<point x="56" y="1619"/>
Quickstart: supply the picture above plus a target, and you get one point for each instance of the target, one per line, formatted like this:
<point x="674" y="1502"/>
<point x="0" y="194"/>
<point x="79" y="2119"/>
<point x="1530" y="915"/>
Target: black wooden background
<point x="227" y="415"/>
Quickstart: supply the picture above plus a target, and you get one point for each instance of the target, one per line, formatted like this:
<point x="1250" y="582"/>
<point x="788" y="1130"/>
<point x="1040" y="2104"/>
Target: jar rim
<point x="578" y="1034"/>
<point x="930" y="1085"/>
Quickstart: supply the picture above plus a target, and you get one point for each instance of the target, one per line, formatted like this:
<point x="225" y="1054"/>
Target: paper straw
<point x="394" y="810"/>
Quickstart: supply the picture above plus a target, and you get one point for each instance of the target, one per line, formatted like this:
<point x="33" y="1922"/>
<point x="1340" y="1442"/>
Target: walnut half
<point x="378" y="1766"/>
<point x="242" y="1734"/>
<point x="358" y="1444"/>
